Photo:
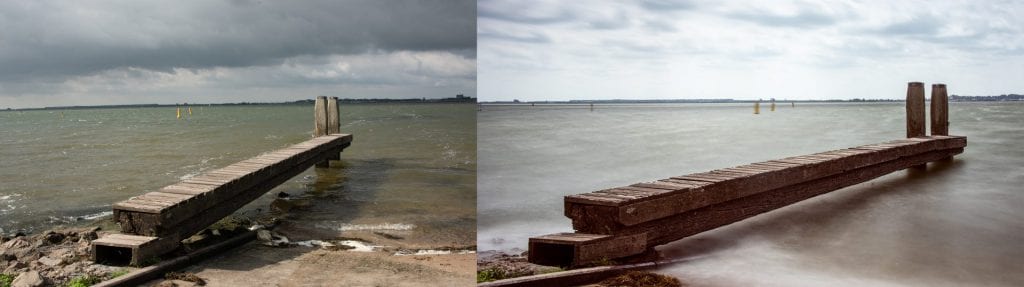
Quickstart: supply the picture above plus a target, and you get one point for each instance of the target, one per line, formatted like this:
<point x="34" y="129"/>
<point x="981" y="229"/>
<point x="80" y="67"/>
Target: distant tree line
<point x="999" y="98"/>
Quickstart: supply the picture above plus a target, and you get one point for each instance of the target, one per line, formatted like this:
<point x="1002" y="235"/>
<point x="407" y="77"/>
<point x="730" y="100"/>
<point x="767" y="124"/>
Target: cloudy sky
<point x="558" y="50"/>
<point x="55" y="53"/>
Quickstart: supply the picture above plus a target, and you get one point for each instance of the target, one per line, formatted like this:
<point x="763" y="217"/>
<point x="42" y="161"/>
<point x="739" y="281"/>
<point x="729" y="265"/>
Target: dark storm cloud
<point x="43" y="41"/>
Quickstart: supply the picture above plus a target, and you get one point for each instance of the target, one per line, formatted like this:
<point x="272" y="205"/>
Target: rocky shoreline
<point x="54" y="258"/>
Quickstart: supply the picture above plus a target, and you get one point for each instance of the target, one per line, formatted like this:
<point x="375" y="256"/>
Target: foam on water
<point x="341" y="226"/>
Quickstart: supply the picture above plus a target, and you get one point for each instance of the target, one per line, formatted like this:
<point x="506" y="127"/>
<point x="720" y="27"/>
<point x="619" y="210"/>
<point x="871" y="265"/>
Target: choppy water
<point x="960" y="224"/>
<point x="410" y="166"/>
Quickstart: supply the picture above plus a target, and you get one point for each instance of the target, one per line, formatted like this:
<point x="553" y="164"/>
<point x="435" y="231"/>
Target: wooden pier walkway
<point x="630" y="220"/>
<point x="154" y="223"/>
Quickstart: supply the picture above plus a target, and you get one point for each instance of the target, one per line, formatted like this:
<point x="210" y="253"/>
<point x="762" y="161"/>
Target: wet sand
<point x="254" y="264"/>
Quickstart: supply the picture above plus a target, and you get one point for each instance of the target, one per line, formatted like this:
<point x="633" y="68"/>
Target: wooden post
<point x="320" y="116"/>
<point x="915" y="109"/>
<point x="757" y="107"/>
<point x="915" y="114"/>
<point x="773" y="104"/>
<point x="940" y="110"/>
<point x="320" y="123"/>
<point x="333" y="122"/>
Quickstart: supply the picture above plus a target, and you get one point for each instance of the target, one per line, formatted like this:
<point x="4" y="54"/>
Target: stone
<point x="54" y="237"/>
<point x="176" y="283"/>
<point x="89" y="236"/>
<point x="16" y="243"/>
<point x="50" y="261"/>
<point x="28" y="279"/>
<point x="264" y="235"/>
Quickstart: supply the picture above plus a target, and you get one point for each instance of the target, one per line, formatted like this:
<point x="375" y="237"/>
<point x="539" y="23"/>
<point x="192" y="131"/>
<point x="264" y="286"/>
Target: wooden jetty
<point x="630" y="220"/>
<point x="154" y="223"/>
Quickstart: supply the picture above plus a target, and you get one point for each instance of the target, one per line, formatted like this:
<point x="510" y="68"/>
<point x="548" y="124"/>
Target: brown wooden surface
<point x="647" y="201"/>
<point x="159" y="213"/>
<point x="685" y="224"/>
<point x="320" y="116"/>
<point x="940" y="110"/>
<point x="333" y="118"/>
<point x="592" y="220"/>
<point x="915" y="109"/>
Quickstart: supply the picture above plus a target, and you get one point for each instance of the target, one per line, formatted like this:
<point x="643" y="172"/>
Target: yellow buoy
<point x="773" y="106"/>
<point x="757" y="108"/>
<point x="190" y="110"/>
<point x="179" y="112"/>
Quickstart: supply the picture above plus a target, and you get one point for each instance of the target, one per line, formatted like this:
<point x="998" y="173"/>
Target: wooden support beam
<point x="940" y="110"/>
<point x="333" y="120"/>
<point x="915" y="109"/>
<point x="320" y="116"/>
<point x="667" y="210"/>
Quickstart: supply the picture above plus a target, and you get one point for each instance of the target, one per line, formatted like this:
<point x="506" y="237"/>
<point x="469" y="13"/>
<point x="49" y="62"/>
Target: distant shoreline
<point x="952" y="98"/>
<point x="299" y="102"/>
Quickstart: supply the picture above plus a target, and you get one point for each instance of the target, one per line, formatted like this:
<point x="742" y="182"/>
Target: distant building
<point x="460" y="96"/>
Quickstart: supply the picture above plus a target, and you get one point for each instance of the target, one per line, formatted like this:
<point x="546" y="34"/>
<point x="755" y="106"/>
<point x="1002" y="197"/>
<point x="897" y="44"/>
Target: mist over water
<point x="411" y="166"/>
<point x="958" y="224"/>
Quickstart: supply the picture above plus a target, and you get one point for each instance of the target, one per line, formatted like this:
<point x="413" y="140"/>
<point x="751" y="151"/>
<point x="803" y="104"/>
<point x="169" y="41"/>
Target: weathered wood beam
<point x="669" y="210"/>
<point x="940" y="110"/>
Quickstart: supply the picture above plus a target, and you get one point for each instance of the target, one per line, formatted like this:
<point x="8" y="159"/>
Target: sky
<point x="566" y="50"/>
<point x="61" y="53"/>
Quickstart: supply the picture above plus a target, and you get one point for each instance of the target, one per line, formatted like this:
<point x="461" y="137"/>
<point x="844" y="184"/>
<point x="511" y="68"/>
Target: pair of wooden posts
<point x="326" y="121"/>
<point x="915" y="110"/>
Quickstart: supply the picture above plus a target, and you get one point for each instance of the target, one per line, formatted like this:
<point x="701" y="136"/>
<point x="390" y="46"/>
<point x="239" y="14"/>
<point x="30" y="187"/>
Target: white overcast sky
<point x="563" y="50"/>
<point x="59" y="53"/>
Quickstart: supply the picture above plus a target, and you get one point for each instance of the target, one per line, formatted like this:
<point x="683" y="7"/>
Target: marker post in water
<point x="773" y="104"/>
<point x="915" y="113"/>
<point x="326" y="121"/>
<point x="757" y="107"/>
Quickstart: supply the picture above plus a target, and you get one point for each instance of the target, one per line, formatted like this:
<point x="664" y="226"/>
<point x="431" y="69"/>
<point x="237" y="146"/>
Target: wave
<point x="366" y="227"/>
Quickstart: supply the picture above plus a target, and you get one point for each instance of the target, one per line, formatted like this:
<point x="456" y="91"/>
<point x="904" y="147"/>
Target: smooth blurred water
<point x="958" y="224"/>
<point x="410" y="165"/>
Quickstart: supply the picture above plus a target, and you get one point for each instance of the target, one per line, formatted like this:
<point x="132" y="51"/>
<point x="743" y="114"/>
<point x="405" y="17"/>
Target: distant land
<point x="952" y="98"/>
<point x="456" y="99"/>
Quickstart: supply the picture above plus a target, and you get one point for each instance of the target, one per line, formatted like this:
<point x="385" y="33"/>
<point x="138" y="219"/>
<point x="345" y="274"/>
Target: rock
<point x="18" y="242"/>
<point x="176" y="283"/>
<point x="14" y="265"/>
<point x="50" y="261"/>
<point x="89" y="235"/>
<point x="264" y="235"/>
<point x="28" y="279"/>
<point x="54" y="237"/>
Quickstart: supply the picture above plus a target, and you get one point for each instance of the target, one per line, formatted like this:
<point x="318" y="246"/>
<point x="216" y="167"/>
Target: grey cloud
<point x="667" y="5"/>
<point x="47" y="41"/>
<point x="516" y="11"/>
<point x="919" y="26"/>
<point x="801" y="19"/>
<point x="531" y="37"/>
